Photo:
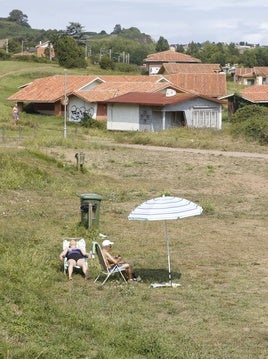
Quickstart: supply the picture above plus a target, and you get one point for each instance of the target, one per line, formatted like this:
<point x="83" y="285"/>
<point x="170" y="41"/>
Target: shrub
<point x="248" y="112"/>
<point x="90" y="122"/>
<point x="106" y="63"/>
<point x="252" y="122"/>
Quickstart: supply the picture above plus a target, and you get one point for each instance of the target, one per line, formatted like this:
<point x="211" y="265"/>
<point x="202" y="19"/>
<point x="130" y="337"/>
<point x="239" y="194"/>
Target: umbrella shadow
<point x="157" y="274"/>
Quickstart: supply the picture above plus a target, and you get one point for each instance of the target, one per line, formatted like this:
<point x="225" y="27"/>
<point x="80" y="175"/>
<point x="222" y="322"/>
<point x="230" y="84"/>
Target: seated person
<point x="75" y="257"/>
<point x="112" y="261"/>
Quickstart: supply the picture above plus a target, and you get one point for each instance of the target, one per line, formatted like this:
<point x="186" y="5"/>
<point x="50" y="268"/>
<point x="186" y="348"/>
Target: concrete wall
<point x="123" y="117"/>
<point x="77" y="108"/>
<point x="198" y="113"/>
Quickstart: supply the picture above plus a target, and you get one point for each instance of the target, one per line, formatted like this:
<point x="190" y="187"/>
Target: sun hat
<point x="107" y="242"/>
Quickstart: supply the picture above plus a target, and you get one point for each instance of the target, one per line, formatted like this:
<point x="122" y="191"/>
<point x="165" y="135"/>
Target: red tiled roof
<point x="51" y="89"/>
<point x="98" y="88"/>
<point x="261" y="71"/>
<point x="172" y="68"/>
<point x="256" y="93"/>
<point x="170" y="56"/>
<point x="211" y="85"/>
<point x="241" y="71"/>
<point x="112" y="89"/>
<point x="251" y="71"/>
<point x="154" y="99"/>
<point x="130" y="78"/>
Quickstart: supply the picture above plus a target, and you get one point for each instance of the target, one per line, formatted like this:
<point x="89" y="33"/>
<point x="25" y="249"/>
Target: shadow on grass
<point x="159" y="275"/>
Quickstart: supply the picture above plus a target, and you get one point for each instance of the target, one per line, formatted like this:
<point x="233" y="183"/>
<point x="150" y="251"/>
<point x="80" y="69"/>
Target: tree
<point x="69" y="54"/>
<point x="180" y="49"/>
<point x="117" y="29"/>
<point x="106" y="63"/>
<point x="18" y="17"/>
<point x="193" y="49"/>
<point x="75" y="30"/>
<point x="161" y="45"/>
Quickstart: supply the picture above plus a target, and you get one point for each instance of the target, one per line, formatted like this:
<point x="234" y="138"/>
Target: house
<point x="189" y="68"/>
<point x="153" y="62"/>
<point x="256" y="94"/>
<point x="208" y="84"/>
<point x="160" y="111"/>
<point x="46" y="95"/>
<point x="85" y="94"/>
<point x="92" y="101"/>
<point x="88" y="94"/>
<point x="251" y="76"/>
<point x="44" y="47"/>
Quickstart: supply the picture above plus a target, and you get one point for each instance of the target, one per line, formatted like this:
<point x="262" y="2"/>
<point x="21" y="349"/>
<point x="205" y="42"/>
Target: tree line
<point x="74" y="46"/>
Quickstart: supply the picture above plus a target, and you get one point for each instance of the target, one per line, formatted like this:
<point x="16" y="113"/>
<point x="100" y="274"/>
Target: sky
<point x="179" y="22"/>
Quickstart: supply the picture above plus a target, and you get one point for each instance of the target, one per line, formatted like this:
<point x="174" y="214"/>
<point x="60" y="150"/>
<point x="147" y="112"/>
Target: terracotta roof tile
<point x="211" y="85"/>
<point x="172" y="68"/>
<point x="112" y="89"/>
<point x="256" y="93"/>
<point x="51" y="89"/>
<point x="261" y="71"/>
<point x="98" y="88"/>
<point x="170" y="56"/>
<point x="251" y="71"/>
<point x="154" y="99"/>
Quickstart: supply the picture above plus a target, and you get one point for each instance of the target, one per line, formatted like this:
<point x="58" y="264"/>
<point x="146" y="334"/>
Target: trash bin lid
<point x="90" y="196"/>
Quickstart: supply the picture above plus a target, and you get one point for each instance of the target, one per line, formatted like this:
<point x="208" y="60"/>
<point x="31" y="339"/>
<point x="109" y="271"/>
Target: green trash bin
<point x="90" y="209"/>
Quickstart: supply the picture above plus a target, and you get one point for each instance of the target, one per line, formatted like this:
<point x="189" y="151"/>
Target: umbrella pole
<point x="168" y="254"/>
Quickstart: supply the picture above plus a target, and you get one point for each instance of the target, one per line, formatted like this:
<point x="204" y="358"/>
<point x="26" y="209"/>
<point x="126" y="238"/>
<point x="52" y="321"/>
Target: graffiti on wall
<point x="77" y="112"/>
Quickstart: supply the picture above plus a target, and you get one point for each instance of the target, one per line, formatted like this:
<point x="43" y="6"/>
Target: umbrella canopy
<point x="162" y="209"/>
<point x="165" y="208"/>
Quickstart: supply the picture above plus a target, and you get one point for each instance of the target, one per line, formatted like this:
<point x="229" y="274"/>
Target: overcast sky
<point x="177" y="21"/>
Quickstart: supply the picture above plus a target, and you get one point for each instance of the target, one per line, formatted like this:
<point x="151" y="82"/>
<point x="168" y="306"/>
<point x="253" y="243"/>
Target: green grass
<point x="217" y="313"/>
<point x="219" y="257"/>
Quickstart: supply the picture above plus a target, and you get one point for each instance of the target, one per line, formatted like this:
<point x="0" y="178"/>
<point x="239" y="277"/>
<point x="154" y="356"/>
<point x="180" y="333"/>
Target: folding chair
<point x="96" y="249"/>
<point x="80" y="243"/>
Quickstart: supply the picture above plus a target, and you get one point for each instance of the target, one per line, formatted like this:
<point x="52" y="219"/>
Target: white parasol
<point x="162" y="209"/>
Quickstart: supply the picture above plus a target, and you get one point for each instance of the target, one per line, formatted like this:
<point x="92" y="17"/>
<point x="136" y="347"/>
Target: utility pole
<point x="65" y="106"/>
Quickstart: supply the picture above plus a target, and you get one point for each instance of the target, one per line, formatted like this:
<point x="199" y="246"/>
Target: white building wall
<point x="123" y="117"/>
<point x="200" y="113"/>
<point x="77" y="108"/>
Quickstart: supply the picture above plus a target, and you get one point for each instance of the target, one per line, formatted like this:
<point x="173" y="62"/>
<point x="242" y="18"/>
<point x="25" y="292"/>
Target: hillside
<point x="218" y="257"/>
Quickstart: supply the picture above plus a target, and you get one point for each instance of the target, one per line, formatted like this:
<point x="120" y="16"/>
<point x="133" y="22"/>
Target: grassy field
<point x="220" y="257"/>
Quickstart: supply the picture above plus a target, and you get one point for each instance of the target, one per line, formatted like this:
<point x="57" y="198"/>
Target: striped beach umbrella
<point x="163" y="209"/>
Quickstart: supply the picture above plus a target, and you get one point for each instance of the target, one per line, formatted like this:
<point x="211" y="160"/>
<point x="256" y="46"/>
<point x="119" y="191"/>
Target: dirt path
<point x="193" y="150"/>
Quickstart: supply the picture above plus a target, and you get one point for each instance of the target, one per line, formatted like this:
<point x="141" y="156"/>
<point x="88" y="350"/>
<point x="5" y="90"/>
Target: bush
<point x="90" y="122"/>
<point x="127" y="68"/>
<point x="247" y="112"/>
<point x="252" y="122"/>
<point x="4" y="55"/>
<point x="106" y="63"/>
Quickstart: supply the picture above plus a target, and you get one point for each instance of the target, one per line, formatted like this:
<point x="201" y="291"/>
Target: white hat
<point x="106" y="242"/>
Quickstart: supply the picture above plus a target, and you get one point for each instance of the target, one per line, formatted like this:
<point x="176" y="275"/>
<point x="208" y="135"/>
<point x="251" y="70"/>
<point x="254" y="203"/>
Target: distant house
<point x="4" y="43"/>
<point x="251" y="76"/>
<point x="160" y="111"/>
<point x="256" y="94"/>
<point x="45" y="49"/>
<point x="189" y="68"/>
<point x="153" y="62"/>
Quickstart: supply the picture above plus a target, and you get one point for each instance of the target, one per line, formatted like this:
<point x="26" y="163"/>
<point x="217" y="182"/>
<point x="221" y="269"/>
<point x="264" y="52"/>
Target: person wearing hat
<point x="111" y="261"/>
